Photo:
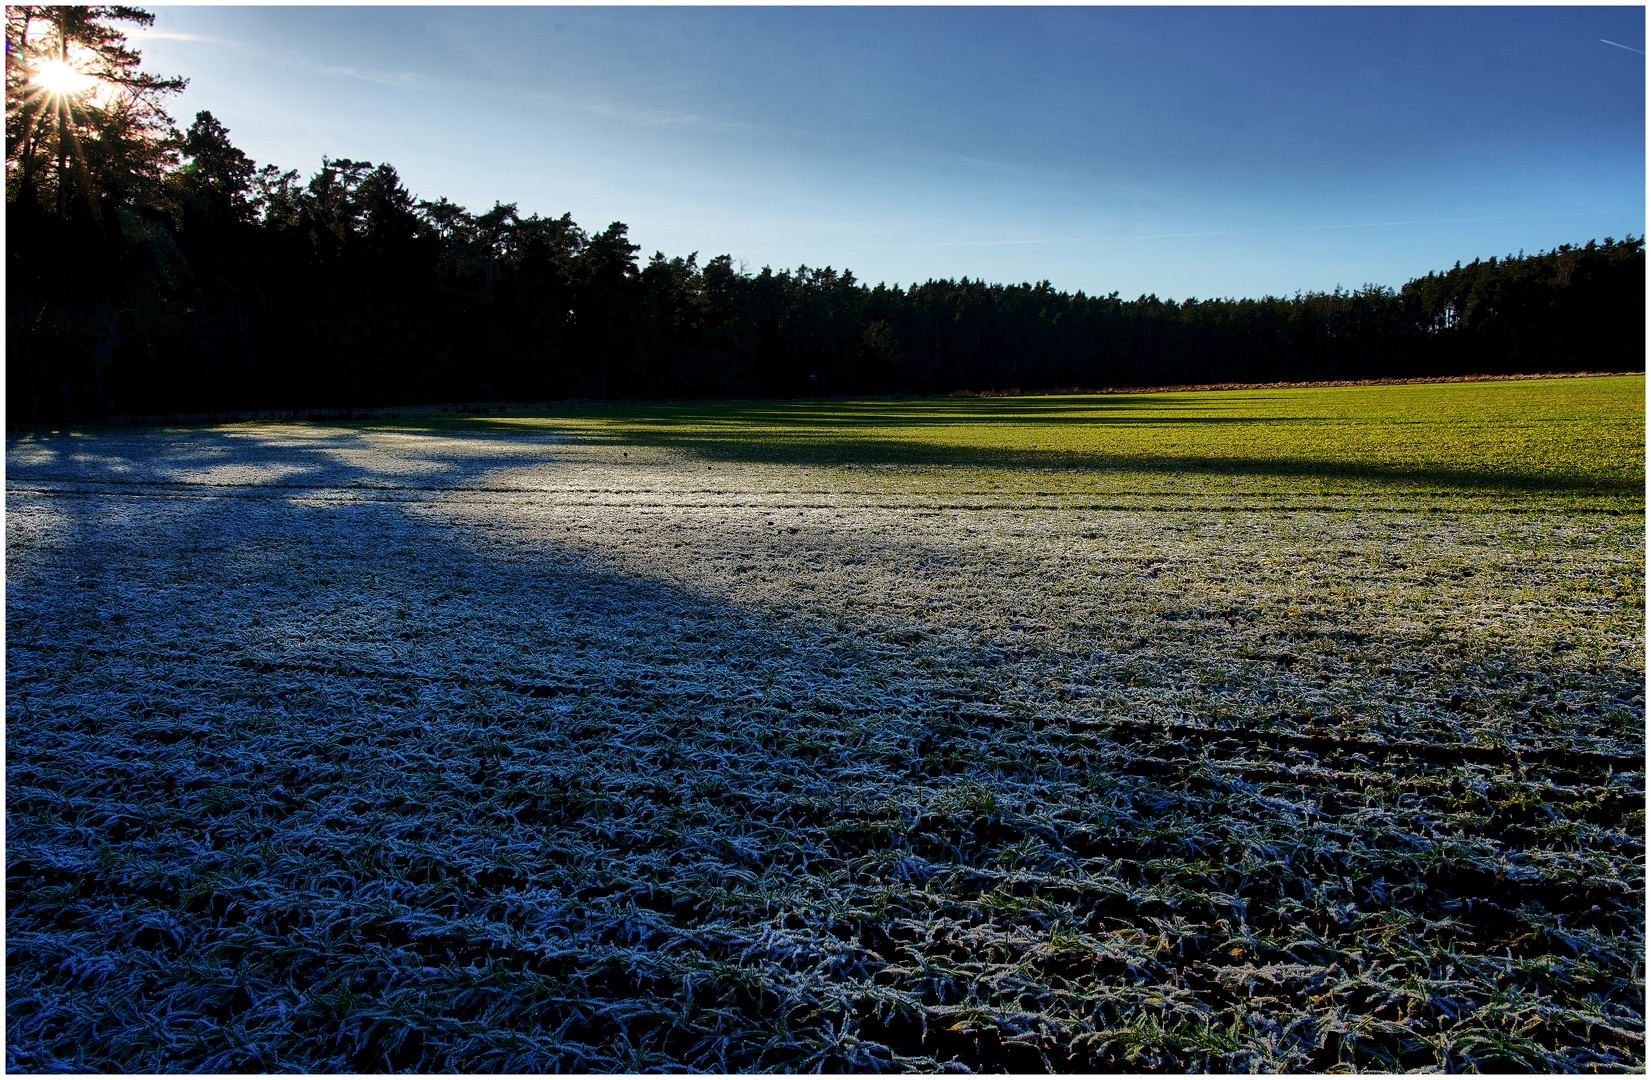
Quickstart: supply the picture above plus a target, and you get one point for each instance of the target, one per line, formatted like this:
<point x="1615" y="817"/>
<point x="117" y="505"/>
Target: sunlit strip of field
<point x="1584" y="435"/>
<point x="835" y="735"/>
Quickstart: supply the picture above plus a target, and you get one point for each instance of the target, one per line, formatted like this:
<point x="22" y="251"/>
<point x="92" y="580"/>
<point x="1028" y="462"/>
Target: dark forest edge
<point x="152" y="271"/>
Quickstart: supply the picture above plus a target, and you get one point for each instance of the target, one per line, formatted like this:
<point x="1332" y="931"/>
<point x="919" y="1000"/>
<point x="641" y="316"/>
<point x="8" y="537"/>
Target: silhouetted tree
<point x="152" y="271"/>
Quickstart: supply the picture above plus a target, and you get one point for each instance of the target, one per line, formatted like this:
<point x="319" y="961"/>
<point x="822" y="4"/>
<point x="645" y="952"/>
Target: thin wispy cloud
<point x="383" y="78"/>
<point x="666" y="118"/>
<point x="1243" y="232"/>
<point x="1023" y="168"/>
<point x="1184" y="235"/>
<point x="168" y="35"/>
<point x="1200" y="234"/>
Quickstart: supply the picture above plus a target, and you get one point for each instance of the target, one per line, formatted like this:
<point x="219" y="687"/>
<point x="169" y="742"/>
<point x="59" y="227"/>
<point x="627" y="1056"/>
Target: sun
<point x="61" y="78"/>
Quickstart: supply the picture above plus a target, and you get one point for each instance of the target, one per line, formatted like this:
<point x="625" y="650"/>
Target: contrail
<point x="1630" y="48"/>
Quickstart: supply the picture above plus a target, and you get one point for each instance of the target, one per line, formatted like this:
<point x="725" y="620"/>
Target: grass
<point x="1561" y="435"/>
<point x="1277" y="730"/>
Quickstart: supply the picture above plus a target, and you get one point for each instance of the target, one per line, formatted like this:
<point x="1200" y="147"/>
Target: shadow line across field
<point x="843" y="447"/>
<point x="348" y="786"/>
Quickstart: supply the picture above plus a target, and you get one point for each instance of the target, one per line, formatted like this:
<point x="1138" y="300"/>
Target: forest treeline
<point x="157" y="271"/>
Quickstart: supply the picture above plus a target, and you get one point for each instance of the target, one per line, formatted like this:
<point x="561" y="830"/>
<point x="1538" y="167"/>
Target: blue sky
<point x="1179" y="151"/>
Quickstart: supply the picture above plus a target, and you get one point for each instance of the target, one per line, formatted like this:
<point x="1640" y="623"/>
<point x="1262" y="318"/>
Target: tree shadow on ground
<point x="842" y="444"/>
<point x="307" y="774"/>
<point x="286" y="756"/>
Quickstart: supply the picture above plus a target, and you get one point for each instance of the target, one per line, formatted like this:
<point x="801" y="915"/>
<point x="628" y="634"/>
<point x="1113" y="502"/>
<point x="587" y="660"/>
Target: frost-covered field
<point x="571" y="743"/>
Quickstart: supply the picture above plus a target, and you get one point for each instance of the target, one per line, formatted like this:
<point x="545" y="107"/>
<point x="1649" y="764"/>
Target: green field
<point x="1276" y="730"/>
<point x="1585" y="435"/>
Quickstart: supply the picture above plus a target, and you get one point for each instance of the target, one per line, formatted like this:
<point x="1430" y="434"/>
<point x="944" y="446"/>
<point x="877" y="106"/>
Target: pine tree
<point x="84" y="123"/>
